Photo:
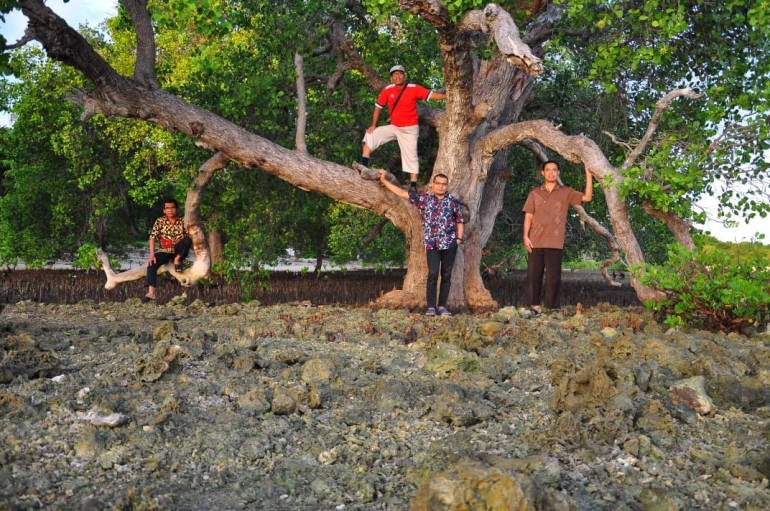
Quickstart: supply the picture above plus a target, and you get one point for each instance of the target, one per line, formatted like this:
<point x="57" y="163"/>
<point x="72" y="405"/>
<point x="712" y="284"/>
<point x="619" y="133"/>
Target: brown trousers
<point x="548" y="259"/>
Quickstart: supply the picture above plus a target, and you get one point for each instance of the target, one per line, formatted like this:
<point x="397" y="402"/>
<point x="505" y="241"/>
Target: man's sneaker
<point x="443" y="312"/>
<point x="430" y="312"/>
<point x="533" y="313"/>
<point x="413" y="186"/>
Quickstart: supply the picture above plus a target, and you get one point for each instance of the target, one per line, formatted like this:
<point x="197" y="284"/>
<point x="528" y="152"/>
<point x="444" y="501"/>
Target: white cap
<point x="397" y="68"/>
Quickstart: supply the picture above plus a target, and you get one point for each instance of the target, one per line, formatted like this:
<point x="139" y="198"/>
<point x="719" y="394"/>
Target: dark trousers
<point x="548" y="259"/>
<point x="440" y="261"/>
<point x="181" y="249"/>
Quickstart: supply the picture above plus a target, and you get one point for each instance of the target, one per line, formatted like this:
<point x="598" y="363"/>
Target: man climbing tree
<point x="401" y="99"/>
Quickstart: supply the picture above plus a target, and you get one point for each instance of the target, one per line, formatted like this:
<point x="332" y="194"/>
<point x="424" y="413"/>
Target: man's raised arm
<point x="390" y="186"/>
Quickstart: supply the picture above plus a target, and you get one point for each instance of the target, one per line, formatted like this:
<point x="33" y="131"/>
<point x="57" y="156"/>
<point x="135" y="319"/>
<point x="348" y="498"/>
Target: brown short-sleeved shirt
<point x="549" y="214"/>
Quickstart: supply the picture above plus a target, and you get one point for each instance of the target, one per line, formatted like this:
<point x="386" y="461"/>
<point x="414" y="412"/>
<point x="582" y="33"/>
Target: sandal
<point x="179" y="267"/>
<point x="443" y="312"/>
<point x="430" y="312"/>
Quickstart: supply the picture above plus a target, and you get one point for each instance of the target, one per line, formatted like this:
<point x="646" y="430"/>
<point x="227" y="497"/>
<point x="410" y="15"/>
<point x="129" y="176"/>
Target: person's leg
<point x="447" y="263"/>
<point x="553" y="258"/>
<point x="534" y="285"/>
<point x="161" y="258"/>
<point x="434" y="264"/>
<point x="375" y="139"/>
<point x="182" y="249"/>
<point x="407" y="143"/>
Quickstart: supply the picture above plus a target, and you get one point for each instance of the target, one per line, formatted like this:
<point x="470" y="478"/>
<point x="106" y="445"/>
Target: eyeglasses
<point x="441" y="183"/>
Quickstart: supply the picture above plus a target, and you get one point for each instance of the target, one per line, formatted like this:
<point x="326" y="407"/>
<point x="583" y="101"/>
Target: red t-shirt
<point x="405" y="113"/>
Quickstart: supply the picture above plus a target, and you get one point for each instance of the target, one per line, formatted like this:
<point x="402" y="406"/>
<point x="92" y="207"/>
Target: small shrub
<point x="86" y="259"/>
<point x="248" y="280"/>
<point x="710" y="289"/>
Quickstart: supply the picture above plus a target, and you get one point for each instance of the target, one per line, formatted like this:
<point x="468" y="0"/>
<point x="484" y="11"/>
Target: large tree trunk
<point x="484" y="99"/>
<point x="216" y="246"/>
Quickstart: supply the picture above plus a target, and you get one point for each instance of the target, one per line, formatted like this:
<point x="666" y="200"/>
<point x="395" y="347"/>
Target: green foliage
<point x="713" y="146"/>
<point x="66" y="182"/>
<point x="710" y="288"/>
<point x="501" y="257"/>
<point x="585" y="264"/>
<point x="248" y="280"/>
<point x="350" y="226"/>
<point x="86" y="258"/>
<point x="736" y="251"/>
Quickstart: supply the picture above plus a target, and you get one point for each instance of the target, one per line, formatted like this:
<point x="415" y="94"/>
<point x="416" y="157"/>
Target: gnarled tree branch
<point x="144" y="69"/>
<point x="594" y="224"/>
<point x="578" y="148"/>
<point x="660" y="107"/>
<point x="499" y="24"/>
<point x="678" y="226"/>
<point x="194" y="224"/>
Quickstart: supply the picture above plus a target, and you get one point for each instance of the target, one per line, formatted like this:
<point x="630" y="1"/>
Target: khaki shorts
<point x="407" y="142"/>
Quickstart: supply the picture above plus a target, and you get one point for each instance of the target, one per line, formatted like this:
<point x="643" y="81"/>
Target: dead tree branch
<point x="144" y="69"/>
<point x="660" y="107"/>
<point x="299" y="69"/>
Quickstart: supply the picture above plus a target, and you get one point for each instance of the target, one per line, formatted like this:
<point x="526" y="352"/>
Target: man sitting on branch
<point x="171" y="235"/>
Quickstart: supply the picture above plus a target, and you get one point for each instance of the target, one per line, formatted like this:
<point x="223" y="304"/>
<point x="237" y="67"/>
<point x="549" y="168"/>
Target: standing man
<point x="170" y="232"/>
<point x="442" y="228"/>
<point x="401" y="99"/>
<point x="545" y="221"/>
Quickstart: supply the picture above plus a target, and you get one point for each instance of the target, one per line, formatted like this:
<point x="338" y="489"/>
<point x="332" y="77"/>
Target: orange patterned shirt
<point x="167" y="234"/>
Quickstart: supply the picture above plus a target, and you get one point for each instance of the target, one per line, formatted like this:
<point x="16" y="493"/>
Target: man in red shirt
<point x="545" y="221"/>
<point x="401" y="99"/>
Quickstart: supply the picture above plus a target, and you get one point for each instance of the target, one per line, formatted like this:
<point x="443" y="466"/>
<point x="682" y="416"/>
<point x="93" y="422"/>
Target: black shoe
<point x="534" y="313"/>
<point x="147" y="299"/>
<point x="413" y="187"/>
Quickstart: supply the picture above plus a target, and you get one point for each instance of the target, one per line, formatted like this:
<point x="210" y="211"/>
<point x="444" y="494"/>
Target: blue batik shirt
<point x="439" y="219"/>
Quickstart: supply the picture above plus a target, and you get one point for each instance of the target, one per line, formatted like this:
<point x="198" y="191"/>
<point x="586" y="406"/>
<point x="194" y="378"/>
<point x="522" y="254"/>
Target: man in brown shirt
<point x="545" y="221"/>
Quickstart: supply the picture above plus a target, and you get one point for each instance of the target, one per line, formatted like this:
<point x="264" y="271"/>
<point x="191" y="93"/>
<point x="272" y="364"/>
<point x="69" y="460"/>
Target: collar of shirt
<point x="558" y="186"/>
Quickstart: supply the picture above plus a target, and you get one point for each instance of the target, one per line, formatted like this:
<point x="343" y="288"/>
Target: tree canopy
<point x="662" y="102"/>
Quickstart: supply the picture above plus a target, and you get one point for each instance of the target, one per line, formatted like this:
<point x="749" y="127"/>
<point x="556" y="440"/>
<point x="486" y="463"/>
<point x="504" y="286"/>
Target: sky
<point x="93" y="12"/>
<point x="75" y="12"/>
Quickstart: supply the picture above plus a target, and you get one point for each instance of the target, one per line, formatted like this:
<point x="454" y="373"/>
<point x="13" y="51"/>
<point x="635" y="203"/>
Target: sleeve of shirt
<point x="382" y="99"/>
<point x="155" y="232"/>
<point x="422" y="92"/>
<point x="529" y="205"/>
<point x="458" y="211"/>
<point x="575" y="197"/>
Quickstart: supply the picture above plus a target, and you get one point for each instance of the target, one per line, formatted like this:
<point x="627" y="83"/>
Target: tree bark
<point x="478" y="125"/>
<point x="216" y="246"/>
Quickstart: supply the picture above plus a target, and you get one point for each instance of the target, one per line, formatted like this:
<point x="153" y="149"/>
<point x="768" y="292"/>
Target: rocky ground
<point x="292" y="407"/>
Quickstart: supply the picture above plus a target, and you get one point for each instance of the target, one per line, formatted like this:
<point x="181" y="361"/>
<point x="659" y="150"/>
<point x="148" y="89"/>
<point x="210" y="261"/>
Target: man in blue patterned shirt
<point x="442" y="227"/>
